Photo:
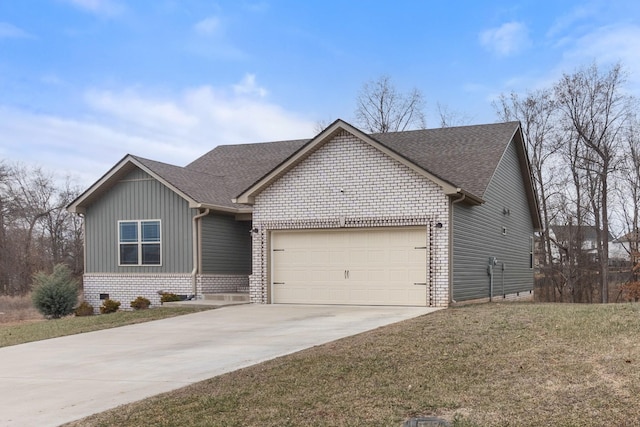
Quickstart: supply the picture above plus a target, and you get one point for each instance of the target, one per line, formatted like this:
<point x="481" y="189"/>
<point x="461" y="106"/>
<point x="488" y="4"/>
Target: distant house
<point x="630" y="244"/>
<point x="564" y="234"/>
<point x="408" y="218"/>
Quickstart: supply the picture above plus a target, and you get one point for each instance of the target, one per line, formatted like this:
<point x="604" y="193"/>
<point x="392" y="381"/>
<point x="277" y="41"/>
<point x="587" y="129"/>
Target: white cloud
<point x="248" y="86"/>
<point x="605" y="45"/>
<point x="106" y="8"/>
<point x="10" y="31"/>
<point x="257" y="7"/>
<point x="508" y="39"/>
<point x="608" y="44"/>
<point x="210" y="40"/>
<point x="174" y="129"/>
<point x="571" y="19"/>
<point x="51" y="79"/>
<point x="130" y="106"/>
<point x="208" y="26"/>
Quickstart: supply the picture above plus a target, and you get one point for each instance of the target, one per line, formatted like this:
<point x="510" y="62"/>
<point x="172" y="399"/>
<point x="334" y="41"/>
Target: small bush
<point x="109" y="306"/>
<point x="56" y="294"/>
<point x="140" y="303"/>
<point x="168" y="297"/>
<point x="631" y="291"/>
<point x="84" y="309"/>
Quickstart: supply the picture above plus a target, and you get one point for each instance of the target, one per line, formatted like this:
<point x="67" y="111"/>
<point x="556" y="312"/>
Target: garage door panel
<point x="373" y="266"/>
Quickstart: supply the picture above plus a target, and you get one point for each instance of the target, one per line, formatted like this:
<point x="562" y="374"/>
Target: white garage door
<point x="382" y="266"/>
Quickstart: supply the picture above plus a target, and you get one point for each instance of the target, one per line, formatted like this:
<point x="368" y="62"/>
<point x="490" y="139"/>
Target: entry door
<point x="379" y="266"/>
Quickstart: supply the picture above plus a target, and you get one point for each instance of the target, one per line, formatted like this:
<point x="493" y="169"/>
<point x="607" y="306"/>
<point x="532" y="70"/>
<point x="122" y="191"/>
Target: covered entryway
<point x="375" y="266"/>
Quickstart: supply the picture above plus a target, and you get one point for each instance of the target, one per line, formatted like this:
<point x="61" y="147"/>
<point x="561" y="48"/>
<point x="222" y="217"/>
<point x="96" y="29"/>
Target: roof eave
<point x="525" y="166"/>
<point x="78" y="205"/>
<point x="109" y="179"/>
<point x="469" y="198"/>
<point x="220" y="208"/>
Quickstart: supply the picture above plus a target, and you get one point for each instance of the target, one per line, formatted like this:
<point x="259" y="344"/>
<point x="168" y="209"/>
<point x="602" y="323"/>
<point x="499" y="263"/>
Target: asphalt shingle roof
<point x="198" y="185"/>
<point x="465" y="157"/>
<point x="564" y="232"/>
<point x="244" y="164"/>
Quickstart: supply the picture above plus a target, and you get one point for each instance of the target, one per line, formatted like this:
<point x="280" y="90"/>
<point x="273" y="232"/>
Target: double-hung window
<point x="139" y="242"/>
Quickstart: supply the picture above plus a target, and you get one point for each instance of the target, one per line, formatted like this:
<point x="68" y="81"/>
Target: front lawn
<point x="26" y="331"/>
<point x="482" y="365"/>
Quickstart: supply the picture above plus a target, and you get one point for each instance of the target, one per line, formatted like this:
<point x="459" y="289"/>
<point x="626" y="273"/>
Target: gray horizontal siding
<point x="226" y="245"/>
<point x="477" y="235"/>
<point x="138" y="197"/>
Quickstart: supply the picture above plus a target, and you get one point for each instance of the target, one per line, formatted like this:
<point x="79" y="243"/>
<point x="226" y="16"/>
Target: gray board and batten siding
<point x="226" y="245"/>
<point x="502" y="227"/>
<point x="139" y="197"/>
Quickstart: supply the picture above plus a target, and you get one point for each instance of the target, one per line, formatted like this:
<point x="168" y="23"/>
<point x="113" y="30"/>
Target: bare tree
<point x="537" y="113"/>
<point x="449" y="117"/>
<point x="321" y="125"/>
<point x="36" y="232"/>
<point x="31" y="198"/>
<point x="381" y="108"/>
<point x="629" y="192"/>
<point x="4" y="253"/>
<point x="596" y="109"/>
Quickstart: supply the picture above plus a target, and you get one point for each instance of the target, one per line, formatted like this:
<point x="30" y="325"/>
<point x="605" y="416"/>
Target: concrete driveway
<point x="51" y="382"/>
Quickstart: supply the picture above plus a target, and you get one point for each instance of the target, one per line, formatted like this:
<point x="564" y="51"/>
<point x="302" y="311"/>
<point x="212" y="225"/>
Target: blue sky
<point x="84" y="82"/>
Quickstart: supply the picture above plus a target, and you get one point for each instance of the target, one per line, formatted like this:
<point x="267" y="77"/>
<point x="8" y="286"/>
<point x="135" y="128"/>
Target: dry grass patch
<point x="17" y="309"/>
<point x="486" y="365"/>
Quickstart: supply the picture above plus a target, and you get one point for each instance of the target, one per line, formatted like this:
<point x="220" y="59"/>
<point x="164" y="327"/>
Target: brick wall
<point x="348" y="183"/>
<point x="127" y="287"/>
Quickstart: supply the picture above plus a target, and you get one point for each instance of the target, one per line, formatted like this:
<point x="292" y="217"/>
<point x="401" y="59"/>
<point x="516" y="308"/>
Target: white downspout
<point x="196" y="251"/>
<point x="453" y="202"/>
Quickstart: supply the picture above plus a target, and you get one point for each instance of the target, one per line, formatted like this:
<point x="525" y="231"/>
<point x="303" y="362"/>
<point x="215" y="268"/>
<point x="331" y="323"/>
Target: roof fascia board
<point x="76" y="205"/>
<point x="248" y="196"/>
<point x="525" y="166"/>
<point x="164" y="182"/>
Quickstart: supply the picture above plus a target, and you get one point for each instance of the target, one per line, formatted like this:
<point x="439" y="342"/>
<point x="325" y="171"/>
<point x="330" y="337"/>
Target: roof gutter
<point x="465" y="196"/>
<point x="196" y="250"/>
<point x="219" y="208"/>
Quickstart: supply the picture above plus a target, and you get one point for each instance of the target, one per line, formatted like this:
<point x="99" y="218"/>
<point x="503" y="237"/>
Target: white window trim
<point x="139" y="242"/>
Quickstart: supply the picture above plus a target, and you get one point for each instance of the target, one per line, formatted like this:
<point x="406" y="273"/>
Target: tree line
<point x="36" y="232"/>
<point x="584" y="147"/>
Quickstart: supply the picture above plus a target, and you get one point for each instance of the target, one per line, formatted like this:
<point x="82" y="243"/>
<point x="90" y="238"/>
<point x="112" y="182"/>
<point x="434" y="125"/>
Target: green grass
<point x="20" y="333"/>
<point x="483" y="365"/>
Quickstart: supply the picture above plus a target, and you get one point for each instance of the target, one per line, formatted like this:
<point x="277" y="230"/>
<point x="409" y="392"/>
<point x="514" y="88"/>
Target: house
<point x="629" y="244"/>
<point x="424" y="217"/>
<point x="563" y="235"/>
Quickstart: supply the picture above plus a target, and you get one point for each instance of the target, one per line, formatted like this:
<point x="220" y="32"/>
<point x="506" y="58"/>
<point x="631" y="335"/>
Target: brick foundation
<point x="127" y="287"/>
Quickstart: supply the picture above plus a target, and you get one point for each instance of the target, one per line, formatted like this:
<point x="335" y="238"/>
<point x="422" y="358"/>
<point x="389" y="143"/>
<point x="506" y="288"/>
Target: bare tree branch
<point x="381" y="108"/>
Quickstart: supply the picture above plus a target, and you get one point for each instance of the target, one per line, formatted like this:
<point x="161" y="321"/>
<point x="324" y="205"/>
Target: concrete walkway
<point x="47" y="383"/>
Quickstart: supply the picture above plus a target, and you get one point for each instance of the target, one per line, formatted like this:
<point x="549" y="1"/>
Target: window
<point x="139" y="242"/>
